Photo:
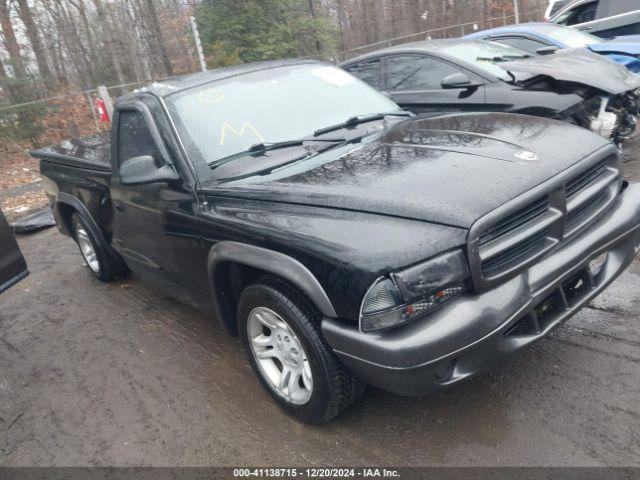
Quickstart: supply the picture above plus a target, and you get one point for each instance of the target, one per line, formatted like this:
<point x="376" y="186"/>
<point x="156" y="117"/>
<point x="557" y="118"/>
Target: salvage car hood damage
<point x="577" y="66"/>
<point x="449" y="169"/>
<point x="618" y="46"/>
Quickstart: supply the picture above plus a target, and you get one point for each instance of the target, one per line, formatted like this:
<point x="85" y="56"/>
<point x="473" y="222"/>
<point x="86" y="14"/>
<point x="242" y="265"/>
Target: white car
<point x="604" y="18"/>
<point x="554" y="7"/>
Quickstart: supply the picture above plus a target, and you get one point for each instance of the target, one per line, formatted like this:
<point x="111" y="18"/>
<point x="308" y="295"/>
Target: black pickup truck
<point x="346" y="242"/>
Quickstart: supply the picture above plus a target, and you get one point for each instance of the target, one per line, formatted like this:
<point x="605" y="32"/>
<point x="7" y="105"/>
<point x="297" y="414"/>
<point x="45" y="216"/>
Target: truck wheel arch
<point x="67" y="206"/>
<point x="226" y="253"/>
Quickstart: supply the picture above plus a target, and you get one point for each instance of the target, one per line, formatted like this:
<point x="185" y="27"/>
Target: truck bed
<point x="78" y="171"/>
<point x="90" y="152"/>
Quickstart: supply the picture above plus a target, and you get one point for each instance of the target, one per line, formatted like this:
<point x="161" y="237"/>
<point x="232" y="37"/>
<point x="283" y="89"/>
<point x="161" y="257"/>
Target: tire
<point x="333" y="387"/>
<point x="102" y="262"/>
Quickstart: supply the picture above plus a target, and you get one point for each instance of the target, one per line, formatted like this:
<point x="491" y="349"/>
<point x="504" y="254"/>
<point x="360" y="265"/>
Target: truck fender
<point x="270" y="261"/>
<point x="82" y="210"/>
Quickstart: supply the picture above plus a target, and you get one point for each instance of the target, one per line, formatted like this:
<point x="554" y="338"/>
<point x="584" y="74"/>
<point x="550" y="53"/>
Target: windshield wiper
<point x="503" y="58"/>
<point x="266" y="146"/>
<point x="270" y="169"/>
<point x="259" y="148"/>
<point x="508" y="57"/>
<point x="359" y="119"/>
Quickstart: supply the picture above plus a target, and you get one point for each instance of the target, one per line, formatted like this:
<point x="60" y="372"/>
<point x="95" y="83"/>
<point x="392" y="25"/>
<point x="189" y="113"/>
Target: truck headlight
<point x="411" y="293"/>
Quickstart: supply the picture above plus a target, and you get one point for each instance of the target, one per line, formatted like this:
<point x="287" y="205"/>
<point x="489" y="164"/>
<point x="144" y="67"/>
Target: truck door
<point x="154" y="206"/>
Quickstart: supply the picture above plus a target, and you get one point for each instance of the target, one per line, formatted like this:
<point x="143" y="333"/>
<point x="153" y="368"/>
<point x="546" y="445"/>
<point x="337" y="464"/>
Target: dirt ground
<point x="94" y="374"/>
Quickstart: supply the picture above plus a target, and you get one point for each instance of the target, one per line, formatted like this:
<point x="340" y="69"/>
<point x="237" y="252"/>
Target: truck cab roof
<point x="184" y="82"/>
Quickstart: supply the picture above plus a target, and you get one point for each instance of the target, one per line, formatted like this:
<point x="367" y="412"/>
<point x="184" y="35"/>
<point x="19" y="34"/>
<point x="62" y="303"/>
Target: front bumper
<point x="473" y="333"/>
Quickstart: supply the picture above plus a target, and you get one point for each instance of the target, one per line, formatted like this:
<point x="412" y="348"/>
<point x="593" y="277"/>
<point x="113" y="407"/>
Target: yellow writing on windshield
<point x="210" y="96"/>
<point x="245" y="126"/>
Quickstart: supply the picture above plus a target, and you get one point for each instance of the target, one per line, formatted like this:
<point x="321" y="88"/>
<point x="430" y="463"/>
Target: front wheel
<point x="280" y="331"/>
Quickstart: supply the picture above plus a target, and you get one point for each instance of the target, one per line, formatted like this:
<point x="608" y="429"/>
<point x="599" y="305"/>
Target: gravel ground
<point x="94" y="374"/>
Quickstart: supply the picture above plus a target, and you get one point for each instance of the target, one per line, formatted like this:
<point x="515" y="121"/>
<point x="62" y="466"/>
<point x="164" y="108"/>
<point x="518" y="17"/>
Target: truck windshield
<point x="227" y="117"/>
<point x="486" y="55"/>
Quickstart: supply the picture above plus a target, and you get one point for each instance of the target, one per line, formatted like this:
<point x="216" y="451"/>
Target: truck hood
<point x="581" y="66"/>
<point x="449" y="169"/>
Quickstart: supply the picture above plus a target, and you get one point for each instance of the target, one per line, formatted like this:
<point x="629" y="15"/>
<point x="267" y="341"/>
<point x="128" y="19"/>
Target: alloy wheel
<point x="87" y="250"/>
<point x="280" y="356"/>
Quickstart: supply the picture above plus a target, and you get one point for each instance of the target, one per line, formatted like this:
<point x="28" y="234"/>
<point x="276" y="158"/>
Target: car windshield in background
<point x="228" y="117"/>
<point x="568" y="36"/>
<point x="486" y="55"/>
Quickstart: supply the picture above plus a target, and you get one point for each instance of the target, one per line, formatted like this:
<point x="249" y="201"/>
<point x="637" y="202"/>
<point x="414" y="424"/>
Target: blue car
<point x="542" y="37"/>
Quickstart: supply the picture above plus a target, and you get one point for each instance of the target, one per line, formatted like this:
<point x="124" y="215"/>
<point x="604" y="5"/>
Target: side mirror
<point x="143" y="169"/>
<point x="458" y="80"/>
<point x="547" y="50"/>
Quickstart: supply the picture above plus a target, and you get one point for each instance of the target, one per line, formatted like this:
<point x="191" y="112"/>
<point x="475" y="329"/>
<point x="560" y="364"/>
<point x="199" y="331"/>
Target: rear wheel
<point x="104" y="264"/>
<point x="280" y="330"/>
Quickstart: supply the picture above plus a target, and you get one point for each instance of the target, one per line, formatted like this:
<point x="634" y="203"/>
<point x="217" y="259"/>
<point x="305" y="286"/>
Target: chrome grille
<point x="511" y="239"/>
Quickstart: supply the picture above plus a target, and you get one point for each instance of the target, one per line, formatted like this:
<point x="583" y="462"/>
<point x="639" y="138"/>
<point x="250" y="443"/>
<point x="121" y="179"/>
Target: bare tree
<point x="106" y="30"/>
<point x="78" y="44"/>
<point x="35" y="41"/>
<point x="10" y="42"/>
<point x="156" y="31"/>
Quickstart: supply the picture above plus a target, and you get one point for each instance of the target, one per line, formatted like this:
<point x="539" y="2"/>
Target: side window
<point x="557" y="6"/>
<point x="134" y="137"/>
<point x="588" y="14"/>
<point x="526" y="44"/>
<point x="579" y="14"/>
<point x="369" y="72"/>
<point x="412" y="72"/>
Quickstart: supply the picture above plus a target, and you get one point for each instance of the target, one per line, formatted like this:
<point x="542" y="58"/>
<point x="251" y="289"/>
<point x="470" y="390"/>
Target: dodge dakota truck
<point x="345" y="241"/>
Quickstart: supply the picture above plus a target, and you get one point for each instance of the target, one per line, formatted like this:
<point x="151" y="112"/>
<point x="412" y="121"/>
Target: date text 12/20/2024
<point x="315" y="472"/>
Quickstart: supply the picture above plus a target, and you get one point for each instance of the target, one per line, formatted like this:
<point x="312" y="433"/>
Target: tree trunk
<point x="3" y="74"/>
<point x="312" y="12"/>
<point x="137" y="57"/>
<point x="73" y="44"/>
<point x="107" y="33"/>
<point x="10" y="41"/>
<point x="342" y="23"/>
<point x="36" y="43"/>
<point x="159" y="37"/>
<point x="93" y="54"/>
